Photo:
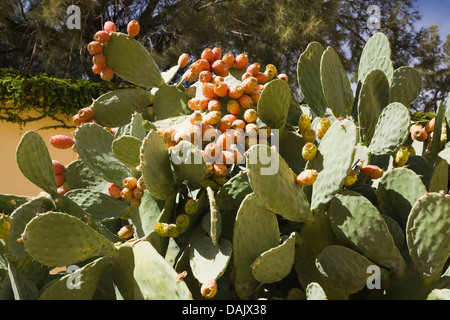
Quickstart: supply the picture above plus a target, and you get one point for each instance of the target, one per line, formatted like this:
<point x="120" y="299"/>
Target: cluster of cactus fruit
<point x="180" y="193"/>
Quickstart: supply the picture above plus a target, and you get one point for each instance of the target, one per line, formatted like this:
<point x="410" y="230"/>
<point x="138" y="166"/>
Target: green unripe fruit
<point x="304" y="123"/>
<point x="191" y="207"/>
<point x="5" y="226"/>
<point x="309" y="151"/>
<point x="401" y="157"/>
<point x="182" y="221"/>
<point x="173" y="231"/>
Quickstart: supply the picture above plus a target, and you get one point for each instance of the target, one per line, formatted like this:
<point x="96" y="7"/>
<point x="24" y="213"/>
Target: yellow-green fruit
<point x="304" y="123"/>
<point x="401" y="157"/>
<point x="5" y="226"/>
<point x="182" y="221"/>
<point x="322" y="127"/>
<point x="309" y="151"/>
<point x="351" y="178"/>
<point x="309" y="135"/>
<point x="191" y="207"/>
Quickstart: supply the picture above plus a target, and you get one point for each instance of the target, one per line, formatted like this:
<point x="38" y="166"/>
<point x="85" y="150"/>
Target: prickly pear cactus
<point x="197" y="184"/>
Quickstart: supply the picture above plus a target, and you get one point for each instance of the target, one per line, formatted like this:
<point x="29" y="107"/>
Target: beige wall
<point x="12" y="180"/>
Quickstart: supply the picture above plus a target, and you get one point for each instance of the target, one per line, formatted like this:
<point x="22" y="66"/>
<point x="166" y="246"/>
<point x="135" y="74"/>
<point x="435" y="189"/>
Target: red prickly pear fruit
<point x="102" y="36"/>
<point x="254" y="68"/>
<point x="224" y="125"/>
<point x="220" y="68"/>
<point x="250" y="115"/>
<point x="191" y="207"/>
<point x="205" y="76"/>
<point x="209" y="289"/>
<point x="304" y="123"/>
<point x="230" y="117"/>
<point x="214" y="105"/>
<point x="126" y="193"/>
<point x="238" y="124"/>
<point x="255" y="95"/>
<point x="233" y="107"/>
<point x="309" y="151"/>
<point x="429" y="127"/>
<point x="208" y="90"/>
<point x="196" y="117"/>
<point x="221" y="89"/>
<point x="63" y="190"/>
<point x="372" y="171"/>
<point x="94" y="47"/>
<point x="217" y="53"/>
<point x="283" y="76"/>
<point x="249" y="85"/>
<point x="133" y="28"/>
<point x="246" y="75"/>
<point x="60" y="179"/>
<point x="235" y="91"/>
<point x="262" y="77"/>
<point x="252" y="129"/>
<point x="107" y="74"/>
<point x="141" y="183"/>
<point x="61" y="141"/>
<point x="183" y="60"/>
<point x="58" y="167"/>
<point x="208" y="55"/>
<point x="202" y="65"/>
<point x="113" y="190"/>
<point x="126" y="232"/>
<point x="246" y="102"/>
<point x="220" y="170"/>
<point x="401" y="157"/>
<point x="138" y="193"/>
<point x="182" y="221"/>
<point x="129" y="182"/>
<point x="309" y="135"/>
<point x="211" y="152"/>
<point x="418" y="133"/>
<point x="198" y="103"/>
<point x="97" y="69"/>
<point x="225" y="140"/>
<point x="76" y="120"/>
<point x="241" y="61"/>
<point x="190" y="76"/>
<point x="322" y="127"/>
<point x="352" y="177"/>
<point x="228" y="58"/>
<point x="86" y="114"/>
<point x="307" y="177"/>
<point x="110" y="27"/>
<point x="213" y="117"/>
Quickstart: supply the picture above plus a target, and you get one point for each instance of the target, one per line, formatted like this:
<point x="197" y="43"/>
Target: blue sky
<point x="435" y="12"/>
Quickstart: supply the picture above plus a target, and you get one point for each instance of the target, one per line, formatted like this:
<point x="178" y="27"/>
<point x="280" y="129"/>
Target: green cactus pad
<point x="439" y="177"/>
<point x="336" y="84"/>
<point x="344" y="267"/>
<point x="98" y="205"/>
<point x="436" y="143"/>
<point x="131" y="61"/>
<point x="137" y="129"/>
<point x="420" y="166"/>
<point x="122" y="267"/>
<point x="10" y="202"/>
<point x="442" y="294"/>
<point x="291" y="145"/>
<point x="207" y="260"/>
<point x="359" y="225"/>
<point x="377" y="46"/>
<point x="58" y="239"/>
<point x="337" y="149"/>
<point x="94" y="146"/>
<point x="255" y="231"/>
<point x="427" y="234"/>
<point x="396" y="231"/>
<point x="212" y="223"/>
<point x="315" y="292"/>
<point x="156" y="169"/>
<point x="308" y="76"/>
<point x="383" y="64"/>
<point x="155" y="279"/>
<point x="232" y="193"/>
<point x="274" y="184"/>
<point x="391" y="130"/>
<point x="34" y="161"/>
<point x="148" y="215"/>
<point x="67" y="288"/>
<point x="398" y="190"/>
<point x="406" y="85"/>
<point x="373" y="98"/>
<point x="273" y="105"/>
<point x="188" y="162"/>
<point x="170" y="74"/>
<point x="276" y="263"/>
<point x="78" y="175"/>
<point x="114" y="108"/>
<point x="22" y="286"/>
<point x="445" y="154"/>
<point x="170" y="101"/>
<point x="15" y="250"/>
<point x="126" y="150"/>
